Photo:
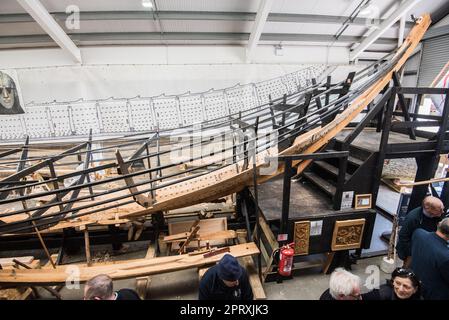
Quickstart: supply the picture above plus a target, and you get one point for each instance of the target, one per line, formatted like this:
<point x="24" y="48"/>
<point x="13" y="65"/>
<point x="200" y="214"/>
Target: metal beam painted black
<point x="403" y="105"/>
<point x="382" y="145"/>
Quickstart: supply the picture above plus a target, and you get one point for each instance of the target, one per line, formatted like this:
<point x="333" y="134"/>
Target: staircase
<point x="358" y="172"/>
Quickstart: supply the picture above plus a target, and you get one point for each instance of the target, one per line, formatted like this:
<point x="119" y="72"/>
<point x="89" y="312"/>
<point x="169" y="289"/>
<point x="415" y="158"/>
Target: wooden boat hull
<point x="230" y="179"/>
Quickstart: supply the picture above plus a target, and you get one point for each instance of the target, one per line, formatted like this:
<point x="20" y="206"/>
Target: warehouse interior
<point x="149" y="141"/>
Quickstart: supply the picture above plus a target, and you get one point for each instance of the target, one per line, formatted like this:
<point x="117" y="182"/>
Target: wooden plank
<point x="141" y="199"/>
<point x="49" y="289"/>
<point x="422" y="183"/>
<point x="176" y="237"/>
<point x="189" y="238"/>
<point x="219" y="235"/>
<point x="54" y="257"/>
<point x="265" y="254"/>
<point x="143" y="287"/>
<point x="203" y="207"/>
<point x="328" y="261"/>
<point x="143" y="283"/>
<point x="268" y="233"/>
<point x="254" y="280"/>
<point x="7" y="262"/>
<point x="19" y="293"/>
<point x="122" y="270"/>
<point x="253" y="275"/>
<point x="214" y="252"/>
<point x="151" y="252"/>
<point x="207" y="226"/>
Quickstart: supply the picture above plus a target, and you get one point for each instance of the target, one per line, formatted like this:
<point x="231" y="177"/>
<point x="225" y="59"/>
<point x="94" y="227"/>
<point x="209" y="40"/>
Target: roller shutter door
<point x="435" y="55"/>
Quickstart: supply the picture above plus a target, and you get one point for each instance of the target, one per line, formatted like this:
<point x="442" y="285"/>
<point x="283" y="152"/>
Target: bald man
<point x="425" y="217"/>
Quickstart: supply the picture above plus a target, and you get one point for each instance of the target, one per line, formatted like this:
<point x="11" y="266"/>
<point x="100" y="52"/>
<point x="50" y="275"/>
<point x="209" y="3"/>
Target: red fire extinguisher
<point x="286" y="253"/>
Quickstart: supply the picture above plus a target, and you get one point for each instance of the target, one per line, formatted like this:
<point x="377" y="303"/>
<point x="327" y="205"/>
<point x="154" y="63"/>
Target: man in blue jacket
<point x="430" y="261"/>
<point x="225" y="281"/>
<point x="425" y="217"/>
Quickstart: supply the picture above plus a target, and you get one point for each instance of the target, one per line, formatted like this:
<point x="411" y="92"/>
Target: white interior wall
<point x="48" y="74"/>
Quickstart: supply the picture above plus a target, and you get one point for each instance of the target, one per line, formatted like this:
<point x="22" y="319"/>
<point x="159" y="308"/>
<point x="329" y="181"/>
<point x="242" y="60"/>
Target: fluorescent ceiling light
<point x="147" y="4"/>
<point x="366" y="10"/>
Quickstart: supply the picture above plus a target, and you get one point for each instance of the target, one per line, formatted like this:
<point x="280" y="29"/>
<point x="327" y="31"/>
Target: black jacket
<point x="415" y="219"/>
<point x="326" y="295"/>
<point x="127" y="294"/>
<point x="430" y="263"/>
<point x="213" y="288"/>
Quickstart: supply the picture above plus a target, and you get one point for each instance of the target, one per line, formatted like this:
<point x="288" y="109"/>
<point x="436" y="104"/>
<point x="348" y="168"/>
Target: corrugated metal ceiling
<point x="291" y="22"/>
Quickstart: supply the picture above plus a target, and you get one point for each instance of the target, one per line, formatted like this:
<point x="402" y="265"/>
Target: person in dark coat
<point x="227" y="280"/>
<point x="100" y="287"/>
<point x="430" y="261"/>
<point x="403" y="285"/>
<point x="425" y="217"/>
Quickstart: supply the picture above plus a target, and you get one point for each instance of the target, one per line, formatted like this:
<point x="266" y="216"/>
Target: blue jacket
<point x="415" y="219"/>
<point x="430" y="262"/>
<point x="213" y="288"/>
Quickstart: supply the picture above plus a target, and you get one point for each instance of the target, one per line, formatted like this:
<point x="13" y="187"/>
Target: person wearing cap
<point x="425" y="217"/>
<point x="227" y="280"/>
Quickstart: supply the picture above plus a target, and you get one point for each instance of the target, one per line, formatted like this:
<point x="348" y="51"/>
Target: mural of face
<point x="9" y="98"/>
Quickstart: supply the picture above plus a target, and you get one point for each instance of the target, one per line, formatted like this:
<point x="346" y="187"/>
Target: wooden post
<point x="328" y="261"/>
<point x="87" y="246"/>
<point x="143" y="283"/>
<point x="41" y="240"/>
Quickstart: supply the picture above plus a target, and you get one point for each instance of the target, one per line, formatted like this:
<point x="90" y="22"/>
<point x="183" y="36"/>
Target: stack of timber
<point x="212" y="232"/>
<point x="122" y="270"/>
<point x="22" y="292"/>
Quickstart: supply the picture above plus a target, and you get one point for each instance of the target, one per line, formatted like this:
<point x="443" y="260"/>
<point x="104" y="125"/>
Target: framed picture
<point x="348" y="234"/>
<point x="363" y="201"/>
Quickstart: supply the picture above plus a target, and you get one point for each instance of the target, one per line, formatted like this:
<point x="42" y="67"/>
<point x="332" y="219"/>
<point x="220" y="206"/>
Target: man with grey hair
<point x="343" y="285"/>
<point x="425" y="217"/>
<point x="100" y="287"/>
<point x="430" y="262"/>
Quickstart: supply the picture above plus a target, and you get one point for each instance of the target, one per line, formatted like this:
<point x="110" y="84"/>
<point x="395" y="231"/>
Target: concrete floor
<point x="183" y="285"/>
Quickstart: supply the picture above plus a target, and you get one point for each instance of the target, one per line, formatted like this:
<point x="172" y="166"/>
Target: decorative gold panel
<point x="348" y="234"/>
<point x="302" y="234"/>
